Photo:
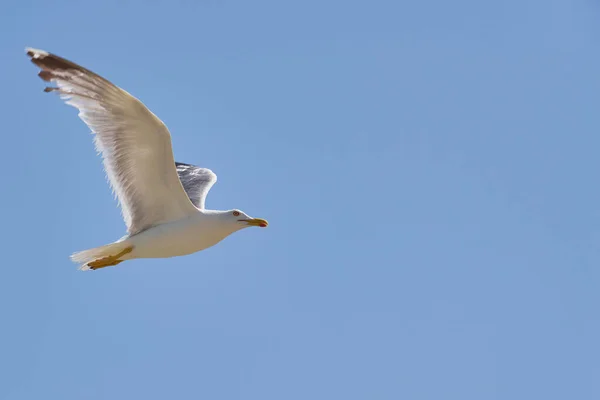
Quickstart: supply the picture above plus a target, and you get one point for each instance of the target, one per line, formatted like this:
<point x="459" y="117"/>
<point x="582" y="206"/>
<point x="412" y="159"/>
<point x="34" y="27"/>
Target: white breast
<point x="178" y="238"/>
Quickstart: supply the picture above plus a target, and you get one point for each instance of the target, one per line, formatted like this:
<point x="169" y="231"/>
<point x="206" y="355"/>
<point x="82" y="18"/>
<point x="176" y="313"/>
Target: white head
<point x="238" y="219"/>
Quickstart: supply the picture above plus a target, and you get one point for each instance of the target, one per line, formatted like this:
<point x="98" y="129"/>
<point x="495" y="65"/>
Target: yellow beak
<point x="256" y="222"/>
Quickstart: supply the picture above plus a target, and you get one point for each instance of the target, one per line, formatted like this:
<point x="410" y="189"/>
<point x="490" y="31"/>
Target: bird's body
<point x="163" y="202"/>
<point x="179" y="238"/>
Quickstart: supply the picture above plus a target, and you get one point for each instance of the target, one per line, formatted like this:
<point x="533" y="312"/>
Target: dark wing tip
<point x="36" y="55"/>
<point x="46" y="75"/>
<point x="49" y="61"/>
<point x="31" y="52"/>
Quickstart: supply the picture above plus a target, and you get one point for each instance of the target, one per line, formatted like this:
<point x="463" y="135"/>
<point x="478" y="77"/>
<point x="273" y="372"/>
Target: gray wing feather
<point x="196" y="182"/>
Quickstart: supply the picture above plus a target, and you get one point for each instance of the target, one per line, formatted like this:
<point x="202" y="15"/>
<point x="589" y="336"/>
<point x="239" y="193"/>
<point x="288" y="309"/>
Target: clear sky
<point x="429" y="170"/>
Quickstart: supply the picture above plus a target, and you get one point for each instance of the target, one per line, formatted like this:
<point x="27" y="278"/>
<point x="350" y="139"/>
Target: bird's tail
<point x="104" y="255"/>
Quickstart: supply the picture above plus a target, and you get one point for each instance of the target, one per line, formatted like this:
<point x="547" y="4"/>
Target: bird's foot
<point x="109" y="261"/>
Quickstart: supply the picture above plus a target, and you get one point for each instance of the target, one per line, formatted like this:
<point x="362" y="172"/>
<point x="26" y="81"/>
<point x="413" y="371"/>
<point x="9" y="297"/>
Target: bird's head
<point x="243" y="220"/>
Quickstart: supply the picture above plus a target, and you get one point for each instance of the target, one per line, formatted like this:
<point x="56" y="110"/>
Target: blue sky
<point x="429" y="171"/>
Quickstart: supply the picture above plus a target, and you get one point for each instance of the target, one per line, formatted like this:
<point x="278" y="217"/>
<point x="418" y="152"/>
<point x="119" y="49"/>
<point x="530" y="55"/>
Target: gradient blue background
<point x="429" y="170"/>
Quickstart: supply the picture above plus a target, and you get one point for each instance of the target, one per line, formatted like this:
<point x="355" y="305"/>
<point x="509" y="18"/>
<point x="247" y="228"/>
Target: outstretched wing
<point x="135" y="144"/>
<point x="196" y="181"/>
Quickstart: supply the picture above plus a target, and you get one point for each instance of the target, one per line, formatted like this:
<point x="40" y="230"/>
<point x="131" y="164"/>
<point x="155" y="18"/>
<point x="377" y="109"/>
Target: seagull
<point x="162" y="201"/>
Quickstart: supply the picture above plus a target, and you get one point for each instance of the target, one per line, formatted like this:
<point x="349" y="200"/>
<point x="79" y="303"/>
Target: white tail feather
<point x="86" y="256"/>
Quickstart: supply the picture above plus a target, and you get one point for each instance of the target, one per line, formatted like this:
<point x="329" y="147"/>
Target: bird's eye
<point x="236" y="213"/>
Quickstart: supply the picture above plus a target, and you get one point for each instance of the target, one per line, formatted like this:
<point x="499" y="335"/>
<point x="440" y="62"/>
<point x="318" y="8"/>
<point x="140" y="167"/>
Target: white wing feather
<point x="134" y="143"/>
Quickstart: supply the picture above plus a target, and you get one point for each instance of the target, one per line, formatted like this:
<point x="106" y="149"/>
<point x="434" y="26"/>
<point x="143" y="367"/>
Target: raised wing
<point x="196" y="182"/>
<point x="135" y="144"/>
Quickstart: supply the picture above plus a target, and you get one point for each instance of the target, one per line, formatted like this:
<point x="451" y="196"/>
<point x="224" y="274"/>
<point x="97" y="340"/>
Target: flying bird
<point x="162" y="201"/>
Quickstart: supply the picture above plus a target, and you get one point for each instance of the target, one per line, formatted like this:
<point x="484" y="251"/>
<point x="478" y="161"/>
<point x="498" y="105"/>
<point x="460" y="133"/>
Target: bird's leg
<point x="109" y="261"/>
